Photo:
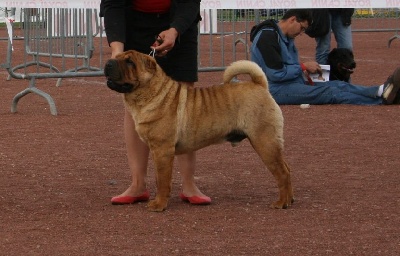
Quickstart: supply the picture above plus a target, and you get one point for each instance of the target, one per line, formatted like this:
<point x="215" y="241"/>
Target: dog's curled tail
<point x="246" y="67"/>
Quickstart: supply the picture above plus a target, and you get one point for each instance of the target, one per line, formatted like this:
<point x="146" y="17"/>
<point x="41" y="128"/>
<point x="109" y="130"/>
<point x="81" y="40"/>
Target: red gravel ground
<point x="58" y="174"/>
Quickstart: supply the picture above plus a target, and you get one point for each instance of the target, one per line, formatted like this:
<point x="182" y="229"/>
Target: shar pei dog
<point x="174" y="119"/>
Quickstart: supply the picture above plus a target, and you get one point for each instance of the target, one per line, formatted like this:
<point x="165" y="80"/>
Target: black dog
<point x="342" y="64"/>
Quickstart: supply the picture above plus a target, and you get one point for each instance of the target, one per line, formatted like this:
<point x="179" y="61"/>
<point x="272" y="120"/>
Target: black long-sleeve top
<point x="183" y="14"/>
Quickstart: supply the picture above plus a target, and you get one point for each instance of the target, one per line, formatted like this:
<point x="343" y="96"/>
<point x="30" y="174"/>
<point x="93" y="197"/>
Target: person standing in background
<point x="326" y="20"/>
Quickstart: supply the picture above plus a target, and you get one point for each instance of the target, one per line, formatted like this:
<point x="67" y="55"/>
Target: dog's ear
<point x="332" y="53"/>
<point x="351" y="53"/>
<point x="332" y="56"/>
<point x="149" y="63"/>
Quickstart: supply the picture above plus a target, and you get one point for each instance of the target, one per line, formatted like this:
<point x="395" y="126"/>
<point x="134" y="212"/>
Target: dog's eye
<point x="130" y="63"/>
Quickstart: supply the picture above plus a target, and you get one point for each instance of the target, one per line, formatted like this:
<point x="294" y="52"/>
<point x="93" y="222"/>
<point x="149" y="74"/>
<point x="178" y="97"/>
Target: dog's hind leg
<point x="270" y="151"/>
<point x="163" y="160"/>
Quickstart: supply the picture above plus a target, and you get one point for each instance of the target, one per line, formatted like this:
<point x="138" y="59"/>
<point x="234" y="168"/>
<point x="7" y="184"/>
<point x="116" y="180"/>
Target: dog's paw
<point x="282" y="205"/>
<point x="279" y="205"/>
<point x="157" y="205"/>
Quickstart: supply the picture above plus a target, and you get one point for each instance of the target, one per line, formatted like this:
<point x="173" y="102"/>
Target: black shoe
<point x="391" y="87"/>
<point x="397" y="98"/>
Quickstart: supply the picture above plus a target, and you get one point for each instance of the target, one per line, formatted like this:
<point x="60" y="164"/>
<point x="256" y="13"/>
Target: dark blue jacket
<point x="276" y="54"/>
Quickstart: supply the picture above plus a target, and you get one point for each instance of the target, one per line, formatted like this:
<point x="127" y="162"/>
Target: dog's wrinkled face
<point x="128" y="71"/>
<point x="342" y="63"/>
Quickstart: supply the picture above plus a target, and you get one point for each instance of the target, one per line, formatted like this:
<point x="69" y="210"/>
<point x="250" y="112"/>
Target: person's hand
<point x="116" y="48"/>
<point x="165" y="41"/>
<point x="312" y="67"/>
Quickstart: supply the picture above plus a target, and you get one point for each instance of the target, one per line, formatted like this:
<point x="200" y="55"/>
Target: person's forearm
<point x="116" y="47"/>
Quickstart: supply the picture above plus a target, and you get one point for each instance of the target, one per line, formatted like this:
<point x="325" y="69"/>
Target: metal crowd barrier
<point x="377" y="20"/>
<point x="65" y="43"/>
<point x="57" y="43"/>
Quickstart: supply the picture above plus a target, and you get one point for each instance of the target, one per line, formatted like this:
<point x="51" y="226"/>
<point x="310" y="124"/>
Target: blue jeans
<point x="331" y="92"/>
<point x="343" y="38"/>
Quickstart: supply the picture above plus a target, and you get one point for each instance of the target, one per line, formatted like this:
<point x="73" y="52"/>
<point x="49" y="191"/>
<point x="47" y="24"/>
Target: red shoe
<point x="201" y="200"/>
<point x="130" y="199"/>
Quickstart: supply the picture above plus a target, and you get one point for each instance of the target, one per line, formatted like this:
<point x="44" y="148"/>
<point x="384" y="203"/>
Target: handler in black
<point x="169" y="29"/>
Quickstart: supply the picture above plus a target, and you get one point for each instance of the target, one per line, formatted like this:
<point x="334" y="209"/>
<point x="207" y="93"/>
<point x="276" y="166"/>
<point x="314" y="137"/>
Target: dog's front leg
<point x="163" y="160"/>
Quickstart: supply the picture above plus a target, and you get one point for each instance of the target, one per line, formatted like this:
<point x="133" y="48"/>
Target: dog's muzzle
<point x="111" y="70"/>
<point x="112" y="74"/>
<point x="350" y="68"/>
<point x="121" y="88"/>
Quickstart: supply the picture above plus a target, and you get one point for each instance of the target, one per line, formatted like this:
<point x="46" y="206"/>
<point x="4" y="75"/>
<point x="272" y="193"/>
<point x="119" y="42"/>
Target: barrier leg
<point x="32" y="89"/>
<point x="392" y="38"/>
<point x="86" y="66"/>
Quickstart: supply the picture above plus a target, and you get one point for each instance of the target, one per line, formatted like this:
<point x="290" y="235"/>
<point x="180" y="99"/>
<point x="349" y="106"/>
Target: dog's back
<point x="246" y="67"/>
<point x="341" y="61"/>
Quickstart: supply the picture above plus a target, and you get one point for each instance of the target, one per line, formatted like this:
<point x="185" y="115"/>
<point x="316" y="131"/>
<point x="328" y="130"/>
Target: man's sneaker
<point x="391" y="87"/>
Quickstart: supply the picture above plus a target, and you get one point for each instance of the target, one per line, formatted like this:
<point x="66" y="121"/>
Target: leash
<point x="158" y="40"/>
<point x="304" y="69"/>
<point x="152" y="52"/>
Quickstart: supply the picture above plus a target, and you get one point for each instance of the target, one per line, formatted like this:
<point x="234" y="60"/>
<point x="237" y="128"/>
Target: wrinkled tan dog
<point x="175" y="119"/>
